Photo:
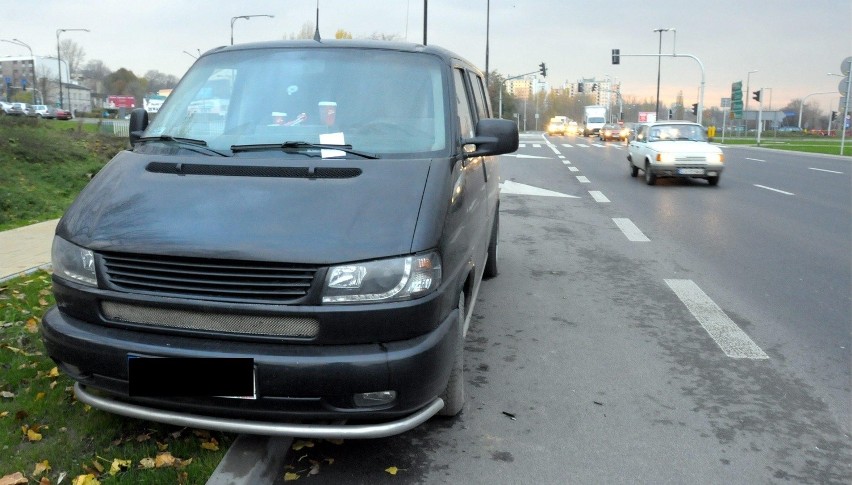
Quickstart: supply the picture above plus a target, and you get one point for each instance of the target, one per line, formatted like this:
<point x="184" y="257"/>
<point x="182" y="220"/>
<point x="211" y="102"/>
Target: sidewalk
<point x="25" y="249"/>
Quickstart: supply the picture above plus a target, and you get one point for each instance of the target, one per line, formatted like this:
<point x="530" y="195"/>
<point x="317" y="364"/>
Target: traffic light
<point x="594" y="87"/>
<point x="756" y="96"/>
<point x="580" y="87"/>
<point x="542" y="69"/>
<point x="616" y="56"/>
<point x="695" y="108"/>
<point x="834" y="116"/>
<point x="671" y="114"/>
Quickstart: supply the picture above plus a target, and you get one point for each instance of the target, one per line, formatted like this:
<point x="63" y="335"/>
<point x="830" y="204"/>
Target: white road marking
<point x="728" y="336"/>
<point x="566" y="162"/>
<point x="509" y="187"/>
<point x="755" y="159"/>
<point x="574" y="169"/>
<point x="553" y="147"/>
<point x="536" y="145"/>
<point x="522" y="145"/>
<point x="583" y="179"/>
<point x="630" y="230"/>
<point x="521" y="155"/>
<point x="824" y="170"/>
<point x="580" y="145"/>
<point x="774" y="190"/>
<point x="566" y="145"/>
<point x="598" y="196"/>
<point x="597" y="145"/>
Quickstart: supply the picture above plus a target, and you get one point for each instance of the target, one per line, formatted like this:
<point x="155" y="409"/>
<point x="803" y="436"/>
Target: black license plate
<point x="192" y="377"/>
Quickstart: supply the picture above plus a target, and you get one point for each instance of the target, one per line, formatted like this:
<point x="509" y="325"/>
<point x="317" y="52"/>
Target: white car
<point x="674" y="149"/>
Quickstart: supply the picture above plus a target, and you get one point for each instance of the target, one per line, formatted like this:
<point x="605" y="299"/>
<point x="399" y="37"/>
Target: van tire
<point x="491" y="264"/>
<point x="453" y="395"/>
<point x="650" y="177"/>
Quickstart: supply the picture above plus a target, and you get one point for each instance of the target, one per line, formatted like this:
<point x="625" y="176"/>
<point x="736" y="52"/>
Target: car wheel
<point x="453" y="395"/>
<point x="650" y="178"/>
<point x="713" y="181"/>
<point x="634" y="170"/>
<point x="491" y="265"/>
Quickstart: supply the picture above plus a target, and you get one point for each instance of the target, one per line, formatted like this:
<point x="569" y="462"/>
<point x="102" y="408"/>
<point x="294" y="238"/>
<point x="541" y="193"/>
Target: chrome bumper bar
<point x="317" y="431"/>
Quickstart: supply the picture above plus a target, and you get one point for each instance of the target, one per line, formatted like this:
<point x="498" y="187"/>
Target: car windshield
<point x="378" y="101"/>
<point x="677" y="132"/>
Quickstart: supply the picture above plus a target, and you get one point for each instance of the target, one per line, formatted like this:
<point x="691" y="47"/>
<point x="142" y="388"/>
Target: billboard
<point x="647" y="117"/>
<point x="121" y="102"/>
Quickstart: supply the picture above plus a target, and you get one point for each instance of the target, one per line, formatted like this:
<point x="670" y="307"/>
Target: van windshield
<point x="379" y="101"/>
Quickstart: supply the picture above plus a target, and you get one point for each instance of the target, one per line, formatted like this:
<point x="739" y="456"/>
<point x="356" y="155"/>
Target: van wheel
<point x="634" y="170"/>
<point x="453" y="395"/>
<point x="650" y="178"/>
<point x="491" y="265"/>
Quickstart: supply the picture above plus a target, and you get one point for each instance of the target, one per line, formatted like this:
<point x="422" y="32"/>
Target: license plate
<point x="690" y="171"/>
<point x="191" y="377"/>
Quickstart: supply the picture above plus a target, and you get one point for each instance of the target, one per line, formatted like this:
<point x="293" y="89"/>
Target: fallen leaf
<point x="162" y="446"/>
<point x="31" y="326"/>
<point x="392" y="470"/>
<point x="16" y="478"/>
<point x="53" y="372"/>
<point x="40" y="468"/>
<point x="4" y="414"/>
<point x="33" y="436"/>
<point x="143" y="437"/>
<point x="100" y="468"/>
<point x="299" y="444"/>
<point x="290" y="476"/>
<point x="210" y="445"/>
<point x="118" y="466"/>
<point x="7" y="394"/>
<point x="147" y="463"/>
<point x="164" y="459"/>
<point x="335" y="441"/>
<point x="44" y="481"/>
<point x="40" y="396"/>
<point x="88" y="479"/>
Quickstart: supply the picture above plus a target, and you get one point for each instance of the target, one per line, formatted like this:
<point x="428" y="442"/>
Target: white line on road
<point x="598" y="196"/>
<point x="630" y="230"/>
<point x="566" y="145"/>
<point x="566" y="162"/>
<point x="755" y="159"/>
<point x="580" y="145"/>
<point x="728" y="336"/>
<point x="553" y="147"/>
<point x="824" y="170"/>
<point x="774" y="190"/>
<point x="574" y="169"/>
<point x="536" y="145"/>
<point x="583" y="179"/>
<point x="597" y="145"/>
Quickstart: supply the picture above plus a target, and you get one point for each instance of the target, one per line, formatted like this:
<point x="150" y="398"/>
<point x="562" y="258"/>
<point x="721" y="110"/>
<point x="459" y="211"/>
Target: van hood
<point x="222" y="208"/>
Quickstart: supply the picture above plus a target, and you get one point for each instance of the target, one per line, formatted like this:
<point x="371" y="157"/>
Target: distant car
<point x="674" y="149"/>
<point x="62" y="114"/>
<point x="790" y="129"/>
<point x="626" y="131"/>
<point x="18" y="109"/>
<point x="38" y="110"/>
<point x="556" y="127"/>
<point x="573" y="128"/>
<point x="610" y="131"/>
<point x="5" y="107"/>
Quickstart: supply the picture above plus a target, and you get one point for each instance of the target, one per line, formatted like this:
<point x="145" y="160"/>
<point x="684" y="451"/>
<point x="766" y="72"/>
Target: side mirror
<point x="493" y="137"/>
<point x="138" y="123"/>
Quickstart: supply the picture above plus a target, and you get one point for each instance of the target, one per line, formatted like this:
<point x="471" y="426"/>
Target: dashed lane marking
<point x="774" y="190"/>
<point x="583" y="179"/>
<point x="728" y="336"/>
<point x="630" y="230"/>
<point x="824" y="170"/>
<point x="598" y="196"/>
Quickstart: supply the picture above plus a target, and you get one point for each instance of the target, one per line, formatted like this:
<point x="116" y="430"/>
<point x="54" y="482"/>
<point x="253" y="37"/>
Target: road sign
<point x="737" y="99"/>
<point x="844" y="85"/>
<point x="846" y="65"/>
<point x="726" y="102"/>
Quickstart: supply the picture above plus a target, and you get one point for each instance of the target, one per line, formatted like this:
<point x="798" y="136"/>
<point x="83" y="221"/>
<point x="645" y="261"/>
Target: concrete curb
<point x="252" y="460"/>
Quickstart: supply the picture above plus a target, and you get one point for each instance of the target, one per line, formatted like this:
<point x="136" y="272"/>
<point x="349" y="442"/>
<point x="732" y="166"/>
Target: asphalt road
<point x="678" y="333"/>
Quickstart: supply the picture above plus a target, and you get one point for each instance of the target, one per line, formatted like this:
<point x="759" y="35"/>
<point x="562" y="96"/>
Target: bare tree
<point x="71" y="53"/>
<point x="306" y="32"/>
<point x="158" y="80"/>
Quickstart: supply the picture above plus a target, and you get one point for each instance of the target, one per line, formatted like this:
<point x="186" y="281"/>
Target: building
<point x="17" y="73"/>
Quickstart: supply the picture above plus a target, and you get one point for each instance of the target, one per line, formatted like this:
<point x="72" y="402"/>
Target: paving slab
<point x="25" y="249"/>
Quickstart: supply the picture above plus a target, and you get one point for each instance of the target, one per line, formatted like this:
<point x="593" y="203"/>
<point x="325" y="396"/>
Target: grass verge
<point x="824" y="146"/>
<point x="48" y="436"/>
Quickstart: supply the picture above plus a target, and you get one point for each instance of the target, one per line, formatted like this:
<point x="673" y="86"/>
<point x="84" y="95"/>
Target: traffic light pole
<point x="500" y="111"/>
<point x="701" y="88"/>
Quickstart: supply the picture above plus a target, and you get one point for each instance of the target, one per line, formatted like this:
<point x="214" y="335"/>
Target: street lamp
<point x="23" y="44"/>
<point x="234" y="19"/>
<point x="59" y="61"/>
<point x="748" y="96"/>
<point x="659" y="55"/>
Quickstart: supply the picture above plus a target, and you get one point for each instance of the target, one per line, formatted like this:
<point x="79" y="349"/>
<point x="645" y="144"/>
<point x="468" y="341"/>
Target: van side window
<point x="478" y="95"/>
<point x="463" y="106"/>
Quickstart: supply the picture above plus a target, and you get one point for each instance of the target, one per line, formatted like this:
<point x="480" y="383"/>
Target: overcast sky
<point x="792" y="44"/>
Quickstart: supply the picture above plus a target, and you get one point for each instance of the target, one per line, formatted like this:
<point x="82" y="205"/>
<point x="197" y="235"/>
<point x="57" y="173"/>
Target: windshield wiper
<point x="297" y="146"/>
<point x="192" y="144"/>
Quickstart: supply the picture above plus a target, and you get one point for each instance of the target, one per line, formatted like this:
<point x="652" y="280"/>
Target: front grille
<point x="208" y="279"/>
<point x="296" y="327"/>
<point x="691" y="159"/>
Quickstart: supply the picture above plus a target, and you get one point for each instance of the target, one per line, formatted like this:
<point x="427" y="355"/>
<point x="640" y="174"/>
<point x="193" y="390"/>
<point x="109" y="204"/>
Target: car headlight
<point x="73" y="262"/>
<point x="665" y="157"/>
<point x="394" y="279"/>
<point x="716" y="158"/>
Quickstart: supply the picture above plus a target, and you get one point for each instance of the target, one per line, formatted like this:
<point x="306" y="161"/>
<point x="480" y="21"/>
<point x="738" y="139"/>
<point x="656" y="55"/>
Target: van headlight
<point x="73" y="262"/>
<point x="716" y="158"/>
<point x="394" y="279"/>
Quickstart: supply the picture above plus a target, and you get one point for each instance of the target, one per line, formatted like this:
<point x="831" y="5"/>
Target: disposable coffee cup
<point x="327" y="112"/>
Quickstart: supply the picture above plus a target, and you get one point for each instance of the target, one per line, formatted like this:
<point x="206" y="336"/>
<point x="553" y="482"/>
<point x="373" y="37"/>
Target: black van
<point x="297" y="238"/>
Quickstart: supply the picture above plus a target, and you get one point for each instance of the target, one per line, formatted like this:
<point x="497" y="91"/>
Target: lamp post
<point x="659" y="55"/>
<point x="234" y="19"/>
<point x="59" y="61"/>
<point x="848" y="77"/>
<point x="748" y="95"/>
<point x="23" y="44"/>
<point x="802" y="106"/>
